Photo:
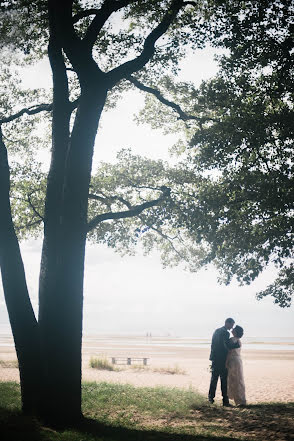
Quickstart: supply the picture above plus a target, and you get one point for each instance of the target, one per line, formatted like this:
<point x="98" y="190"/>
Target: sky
<point x="134" y="294"/>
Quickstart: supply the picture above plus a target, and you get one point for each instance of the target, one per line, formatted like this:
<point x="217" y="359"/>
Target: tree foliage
<point x="239" y="129"/>
<point x="231" y="201"/>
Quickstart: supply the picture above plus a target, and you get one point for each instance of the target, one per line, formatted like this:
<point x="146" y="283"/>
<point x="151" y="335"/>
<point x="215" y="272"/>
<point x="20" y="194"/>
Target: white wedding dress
<point x="236" y="384"/>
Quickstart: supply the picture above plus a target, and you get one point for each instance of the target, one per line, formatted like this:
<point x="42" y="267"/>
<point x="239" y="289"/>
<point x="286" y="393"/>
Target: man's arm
<point x="232" y="345"/>
<point x="228" y="342"/>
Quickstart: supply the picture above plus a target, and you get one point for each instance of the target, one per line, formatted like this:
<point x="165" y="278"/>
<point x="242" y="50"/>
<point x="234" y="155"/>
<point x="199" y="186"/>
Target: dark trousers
<point x="218" y="370"/>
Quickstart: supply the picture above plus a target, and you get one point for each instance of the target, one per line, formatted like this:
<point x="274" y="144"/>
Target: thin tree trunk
<point x="49" y="287"/>
<point x="21" y="315"/>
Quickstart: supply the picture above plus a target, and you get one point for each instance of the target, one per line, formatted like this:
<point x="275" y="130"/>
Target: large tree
<point x="82" y="42"/>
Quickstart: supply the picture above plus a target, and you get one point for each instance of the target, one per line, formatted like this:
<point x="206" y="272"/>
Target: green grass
<point x="10" y="396"/>
<point x="101" y="363"/>
<point x="9" y="363"/>
<point x="122" y="399"/>
<point x="116" y="412"/>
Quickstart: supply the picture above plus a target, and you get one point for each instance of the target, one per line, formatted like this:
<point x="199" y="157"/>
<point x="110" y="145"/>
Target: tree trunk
<point x="21" y="315"/>
<point x="61" y="291"/>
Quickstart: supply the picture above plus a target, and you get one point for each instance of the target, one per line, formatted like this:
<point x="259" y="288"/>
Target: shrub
<point x="101" y="364"/>
<point x="9" y="363"/>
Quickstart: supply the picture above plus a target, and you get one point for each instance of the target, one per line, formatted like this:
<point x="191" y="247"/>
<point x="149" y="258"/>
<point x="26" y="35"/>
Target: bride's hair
<point x="239" y="331"/>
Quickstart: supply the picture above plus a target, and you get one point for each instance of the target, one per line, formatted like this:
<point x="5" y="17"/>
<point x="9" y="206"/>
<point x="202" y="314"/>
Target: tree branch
<point x="139" y="62"/>
<point x="32" y="110"/>
<point x="63" y="33"/>
<point x="164" y="236"/>
<point x="104" y="200"/>
<point x="102" y="15"/>
<point x="29" y="225"/>
<point x="182" y="115"/>
<point x="84" y="14"/>
<point x="131" y="212"/>
<point x="98" y="198"/>
<point x="34" y="208"/>
<point x="73" y="104"/>
<point x="107" y="200"/>
<point x="136" y="210"/>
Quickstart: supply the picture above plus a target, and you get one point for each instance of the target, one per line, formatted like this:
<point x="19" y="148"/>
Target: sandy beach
<point x="268" y="373"/>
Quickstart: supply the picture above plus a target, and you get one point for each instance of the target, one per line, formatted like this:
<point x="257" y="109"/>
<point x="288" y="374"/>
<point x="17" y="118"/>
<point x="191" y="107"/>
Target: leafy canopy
<point x="237" y="133"/>
<point x="230" y="199"/>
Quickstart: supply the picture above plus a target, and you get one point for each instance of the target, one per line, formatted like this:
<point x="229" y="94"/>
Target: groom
<point x="220" y="346"/>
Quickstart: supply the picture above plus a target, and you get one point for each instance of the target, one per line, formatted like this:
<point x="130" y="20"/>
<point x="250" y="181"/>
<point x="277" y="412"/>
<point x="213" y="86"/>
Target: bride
<point x="236" y="385"/>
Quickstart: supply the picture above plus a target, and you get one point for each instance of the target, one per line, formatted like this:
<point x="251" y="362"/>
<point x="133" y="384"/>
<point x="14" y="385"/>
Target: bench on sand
<point x="129" y="360"/>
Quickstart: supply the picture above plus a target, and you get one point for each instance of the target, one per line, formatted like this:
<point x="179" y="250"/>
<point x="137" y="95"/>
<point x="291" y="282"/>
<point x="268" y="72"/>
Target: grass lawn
<point x="122" y="412"/>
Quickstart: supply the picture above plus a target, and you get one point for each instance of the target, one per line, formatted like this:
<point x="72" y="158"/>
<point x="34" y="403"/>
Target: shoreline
<point x="268" y="373"/>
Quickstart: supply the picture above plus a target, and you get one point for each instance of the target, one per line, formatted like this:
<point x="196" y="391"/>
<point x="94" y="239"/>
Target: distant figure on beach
<point x="234" y="365"/>
<point x="221" y="344"/>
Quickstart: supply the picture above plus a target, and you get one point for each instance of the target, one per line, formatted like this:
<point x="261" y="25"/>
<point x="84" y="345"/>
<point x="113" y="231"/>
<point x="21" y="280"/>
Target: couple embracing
<point x="226" y="361"/>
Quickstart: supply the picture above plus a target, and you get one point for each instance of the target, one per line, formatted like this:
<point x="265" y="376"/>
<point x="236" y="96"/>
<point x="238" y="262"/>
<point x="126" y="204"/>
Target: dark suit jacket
<point x="220" y="346"/>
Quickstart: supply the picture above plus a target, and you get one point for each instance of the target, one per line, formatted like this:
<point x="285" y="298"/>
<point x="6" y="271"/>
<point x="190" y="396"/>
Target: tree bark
<point x="21" y="315"/>
<point x="62" y="265"/>
<point x="61" y="290"/>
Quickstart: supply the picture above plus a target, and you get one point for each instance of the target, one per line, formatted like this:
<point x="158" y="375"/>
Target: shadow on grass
<point x="285" y="408"/>
<point x="16" y="427"/>
<point x="118" y="433"/>
<point x="267" y="410"/>
<point x="262" y="420"/>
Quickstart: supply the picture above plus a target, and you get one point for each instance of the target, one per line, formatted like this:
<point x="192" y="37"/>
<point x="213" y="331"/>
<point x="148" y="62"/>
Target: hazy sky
<point x="134" y="294"/>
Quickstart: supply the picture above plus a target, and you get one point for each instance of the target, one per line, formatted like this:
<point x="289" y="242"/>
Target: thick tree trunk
<point x="22" y="319"/>
<point x="62" y="266"/>
<point x="61" y="290"/>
